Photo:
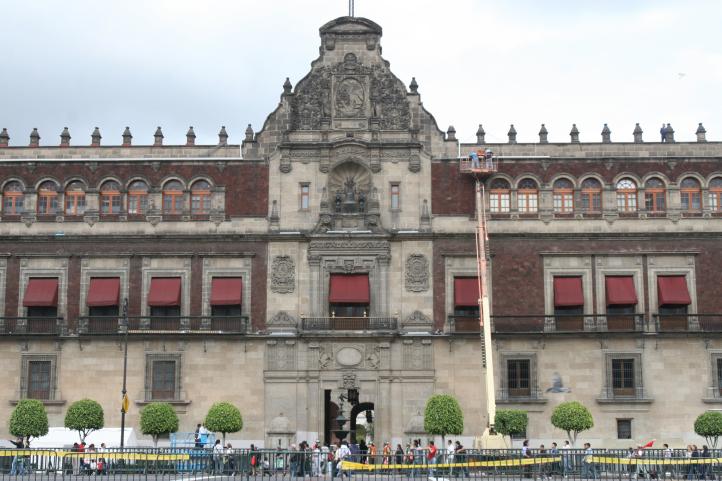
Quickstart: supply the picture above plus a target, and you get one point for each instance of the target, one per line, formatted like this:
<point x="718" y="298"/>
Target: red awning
<point x="349" y="289"/>
<point x="466" y="291"/>
<point x="165" y="291"/>
<point x="568" y="292"/>
<point x="226" y="291"/>
<point x="673" y="291"/>
<point x="103" y="291"/>
<point x="41" y="292"/>
<point x="620" y="290"/>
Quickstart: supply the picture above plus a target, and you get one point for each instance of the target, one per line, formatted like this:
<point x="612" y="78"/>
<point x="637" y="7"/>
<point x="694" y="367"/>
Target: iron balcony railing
<point x="688" y="322"/>
<point x="97" y="325"/>
<point x="611" y="393"/>
<point x="519" y="394"/>
<point x="164" y="394"/>
<point x="542" y="324"/>
<point x="49" y="326"/>
<point x="349" y="323"/>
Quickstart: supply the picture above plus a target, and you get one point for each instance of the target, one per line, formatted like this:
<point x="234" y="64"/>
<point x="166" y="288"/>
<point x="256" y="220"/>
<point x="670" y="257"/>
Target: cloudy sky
<point x="175" y="63"/>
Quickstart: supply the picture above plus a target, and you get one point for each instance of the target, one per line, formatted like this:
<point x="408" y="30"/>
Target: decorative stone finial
<point x="574" y="134"/>
<point x="249" y="133"/>
<point x="127" y="137"/>
<point x="158" y="137"/>
<point x="223" y="136"/>
<point x="34" y="138"/>
<point x="287" y="87"/>
<point x="95" y="138"/>
<point x="606" y="135"/>
<point x="543" y="135"/>
<point x="701" y="133"/>
<point x="480" y="135"/>
<point x="413" y="86"/>
<point x="65" y="137"/>
<point x="670" y="133"/>
<point x="190" y="137"/>
<point x="512" y="134"/>
<point x="451" y="133"/>
<point x="638" y="134"/>
<point x="5" y="138"/>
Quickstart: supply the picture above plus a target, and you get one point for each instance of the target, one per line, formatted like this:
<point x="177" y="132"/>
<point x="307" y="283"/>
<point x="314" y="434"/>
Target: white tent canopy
<point x="64" y="438"/>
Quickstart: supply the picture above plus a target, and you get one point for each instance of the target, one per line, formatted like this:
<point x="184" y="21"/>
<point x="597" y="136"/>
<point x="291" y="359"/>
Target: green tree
<point x="158" y="419"/>
<point x="443" y="416"/>
<point x="572" y="417"/>
<point x="223" y="418"/>
<point x="29" y="420"/>
<point x="709" y="425"/>
<point x="508" y="422"/>
<point x="84" y="416"/>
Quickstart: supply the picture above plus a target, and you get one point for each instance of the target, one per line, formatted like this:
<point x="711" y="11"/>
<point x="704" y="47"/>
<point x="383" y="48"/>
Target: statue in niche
<point x="350" y="189"/>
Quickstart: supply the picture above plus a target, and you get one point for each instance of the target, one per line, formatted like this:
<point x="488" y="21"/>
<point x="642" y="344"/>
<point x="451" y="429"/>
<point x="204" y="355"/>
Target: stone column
<point x="381" y="308"/>
<point x="314" y="264"/>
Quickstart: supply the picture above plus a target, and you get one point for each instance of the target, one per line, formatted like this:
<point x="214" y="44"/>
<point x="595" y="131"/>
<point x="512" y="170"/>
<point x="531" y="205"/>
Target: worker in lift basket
<point x="488" y="159"/>
<point x="474" y="157"/>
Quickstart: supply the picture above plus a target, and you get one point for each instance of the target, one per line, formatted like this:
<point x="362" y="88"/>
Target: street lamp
<point x="124" y="405"/>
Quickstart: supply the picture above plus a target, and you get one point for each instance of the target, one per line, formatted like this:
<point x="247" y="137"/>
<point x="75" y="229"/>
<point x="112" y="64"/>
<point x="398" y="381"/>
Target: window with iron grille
<point x="716" y="375"/>
<point x="38" y="377"/>
<point x="624" y="429"/>
<point x="518" y="377"/>
<point x="623" y="377"/>
<point x="163" y="377"/>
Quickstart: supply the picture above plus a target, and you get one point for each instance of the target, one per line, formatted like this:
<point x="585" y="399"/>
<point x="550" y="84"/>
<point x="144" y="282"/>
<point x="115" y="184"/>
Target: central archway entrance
<point x="365" y="411"/>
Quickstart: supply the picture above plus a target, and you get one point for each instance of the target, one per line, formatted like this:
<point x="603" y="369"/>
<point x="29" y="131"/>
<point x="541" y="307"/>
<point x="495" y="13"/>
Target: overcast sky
<point x="175" y="63"/>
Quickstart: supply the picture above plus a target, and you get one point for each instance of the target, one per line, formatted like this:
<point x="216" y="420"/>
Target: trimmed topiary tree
<point x="508" y="422"/>
<point x="84" y="416"/>
<point x="223" y="418"/>
<point x="572" y="417"/>
<point x="29" y="420"/>
<point x="709" y="426"/>
<point x="158" y="419"/>
<point x="443" y="416"/>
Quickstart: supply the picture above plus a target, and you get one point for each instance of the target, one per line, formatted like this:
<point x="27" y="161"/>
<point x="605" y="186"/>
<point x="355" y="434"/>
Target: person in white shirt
<point x="218" y="457"/>
<point x="450" y="449"/>
<point x="341" y="454"/>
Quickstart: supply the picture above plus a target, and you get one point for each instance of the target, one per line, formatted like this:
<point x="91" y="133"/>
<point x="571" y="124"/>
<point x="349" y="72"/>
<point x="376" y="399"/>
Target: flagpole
<point x="124" y="406"/>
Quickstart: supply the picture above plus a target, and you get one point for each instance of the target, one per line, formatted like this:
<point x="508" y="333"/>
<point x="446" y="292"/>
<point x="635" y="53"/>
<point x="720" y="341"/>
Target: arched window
<point x="715" y="194"/>
<point x="48" y="198"/>
<point x="110" y="201"/>
<point x="75" y="198"/>
<point x="528" y="196"/>
<point x="13" y="198"/>
<point x="563" y="196"/>
<point x="655" y="195"/>
<point x="499" y="196"/>
<point x="173" y="197"/>
<point x="627" y="195"/>
<point x="690" y="195"/>
<point x="200" y="197"/>
<point x="137" y="197"/>
<point x="591" y="196"/>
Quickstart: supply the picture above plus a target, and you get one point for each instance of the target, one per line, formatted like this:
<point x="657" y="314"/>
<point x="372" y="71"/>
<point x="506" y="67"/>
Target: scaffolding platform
<point x="480" y="167"/>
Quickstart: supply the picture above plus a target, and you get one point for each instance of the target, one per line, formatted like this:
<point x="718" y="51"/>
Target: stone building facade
<point x="333" y="251"/>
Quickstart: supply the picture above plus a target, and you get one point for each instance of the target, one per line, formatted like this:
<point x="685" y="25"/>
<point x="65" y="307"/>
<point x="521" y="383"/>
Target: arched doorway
<point x="366" y="408"/>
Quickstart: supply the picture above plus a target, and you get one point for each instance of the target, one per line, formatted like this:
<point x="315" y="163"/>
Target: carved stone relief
<point x="282" y="318"/>
<point x="418" y="319"/>
<point x="417" y="354"/>
<point x="281" y="355"/>
<point x="417" y="273"/>
<point x="283" y="275"/>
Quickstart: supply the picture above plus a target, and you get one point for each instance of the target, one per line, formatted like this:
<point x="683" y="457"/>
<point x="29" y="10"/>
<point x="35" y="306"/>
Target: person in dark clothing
<point x="663" y="132"/>
<point x="17" y="467"/>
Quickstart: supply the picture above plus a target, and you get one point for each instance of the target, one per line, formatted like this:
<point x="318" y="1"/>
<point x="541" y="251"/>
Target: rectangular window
<point x="691" y="201"/>
<point x="715" y="200"/>
<point x="13" y="203"/>
<point x="47" y="204"/>
<point x="137" y="203"/>
<point x="499" y="201"/>
<point x="591" y="202"/>
<point x="39" y="379"/>
<point x="163" y="380"/>
<point x="528" y="202"/>
<point x="719" y="377"/>
<point x="395" y="197"/>
<point x="623" y="377"/>
<point x="624" y="429"/>
<point x="627" y="201"/>
<point x="110" y="203"/>
<point x="518" y="377"/>
<point x="563" y="202"/>
<point x="305" y="196"/>
<point x="654" y="201"/>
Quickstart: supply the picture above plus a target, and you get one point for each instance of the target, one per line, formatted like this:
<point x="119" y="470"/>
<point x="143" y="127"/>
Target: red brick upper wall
<point x="451" y="192"/>
<point x="246" y="183"/>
